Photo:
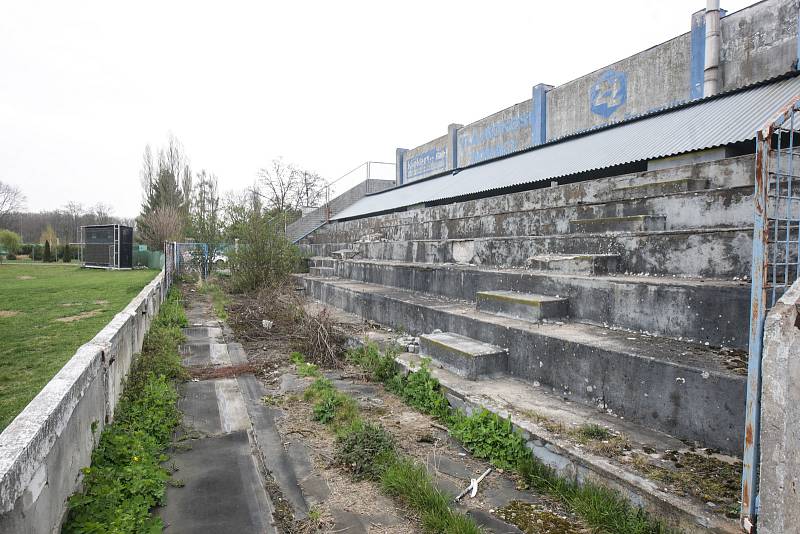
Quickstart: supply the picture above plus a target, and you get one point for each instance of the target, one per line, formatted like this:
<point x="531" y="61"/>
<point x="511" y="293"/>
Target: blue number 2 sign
<point x="608" y="93"/>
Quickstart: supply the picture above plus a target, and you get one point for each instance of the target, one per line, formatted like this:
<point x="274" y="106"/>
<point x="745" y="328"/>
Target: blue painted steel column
<point x="452" y="146"/>
<point x="539" y="114"/>
<point x="400" y="165"/>
<point x="698" y="54"/>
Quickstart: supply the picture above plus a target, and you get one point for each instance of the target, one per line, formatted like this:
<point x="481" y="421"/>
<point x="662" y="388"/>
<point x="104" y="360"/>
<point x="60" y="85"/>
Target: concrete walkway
<point x="216" y="456"/>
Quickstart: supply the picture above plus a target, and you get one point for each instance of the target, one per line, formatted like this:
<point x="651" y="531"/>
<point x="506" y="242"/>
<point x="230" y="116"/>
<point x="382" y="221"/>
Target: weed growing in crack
<point x="486" y="435"/>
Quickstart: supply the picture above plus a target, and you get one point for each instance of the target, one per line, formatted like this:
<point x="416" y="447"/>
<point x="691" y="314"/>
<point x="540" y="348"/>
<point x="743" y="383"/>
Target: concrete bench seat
<point x="657" y="382"/>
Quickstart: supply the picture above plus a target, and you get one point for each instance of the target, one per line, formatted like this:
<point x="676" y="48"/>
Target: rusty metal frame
<point x="773" y="270"/>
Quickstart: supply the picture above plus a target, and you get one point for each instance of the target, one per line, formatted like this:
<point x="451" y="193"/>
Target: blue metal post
<point x="539" y="114"/>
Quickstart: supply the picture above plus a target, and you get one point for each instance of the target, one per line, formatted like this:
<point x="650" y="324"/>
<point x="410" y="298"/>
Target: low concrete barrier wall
<point x="779" y="486"/>
<point x="43" y="450"/>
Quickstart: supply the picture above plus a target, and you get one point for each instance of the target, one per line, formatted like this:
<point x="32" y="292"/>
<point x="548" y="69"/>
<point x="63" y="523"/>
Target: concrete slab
<point x="269" y="445"/>
<point x="201" y="334"/>
<point x="467" y="357"/>
<point x="633" y="223"/>
<point x="526" y="306"/>
<point x="204" y="353"/>
<point x="223" y="492"/>
<point x="585" y="264"/>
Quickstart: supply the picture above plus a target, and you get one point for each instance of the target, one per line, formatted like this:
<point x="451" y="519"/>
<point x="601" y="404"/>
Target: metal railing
<point x="776" y="248"/>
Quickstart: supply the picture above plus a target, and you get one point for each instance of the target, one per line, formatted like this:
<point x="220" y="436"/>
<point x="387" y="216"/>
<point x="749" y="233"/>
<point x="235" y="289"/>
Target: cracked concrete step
<point x="633" y="223"/>
<point x="588" y="264"/>
<point x="685" y="185"/>
<point x="716" y="252"/>
<point x="656" y="382"/>
<point x="321" y="261"/>
<point x="322" y="271"/>
<point x="713" y="311"/>
<point x="526" y="306"/>
<point x="467" y="357"/>
<point x="545" y="421"/>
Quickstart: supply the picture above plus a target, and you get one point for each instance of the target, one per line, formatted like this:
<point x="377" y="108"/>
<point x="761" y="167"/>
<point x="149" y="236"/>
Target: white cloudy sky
<point x="327" y="85"/>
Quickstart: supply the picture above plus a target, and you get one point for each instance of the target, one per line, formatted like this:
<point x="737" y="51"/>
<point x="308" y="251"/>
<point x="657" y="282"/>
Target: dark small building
<point x="107" y="246"/>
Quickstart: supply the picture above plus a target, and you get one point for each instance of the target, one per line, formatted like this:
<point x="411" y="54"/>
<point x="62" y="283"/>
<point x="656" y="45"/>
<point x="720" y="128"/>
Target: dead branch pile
<point x="276" y="318"/>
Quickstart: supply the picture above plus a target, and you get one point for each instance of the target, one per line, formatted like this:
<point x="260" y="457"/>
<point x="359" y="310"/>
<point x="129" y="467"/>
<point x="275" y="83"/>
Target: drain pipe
<point x="713" y="41"/>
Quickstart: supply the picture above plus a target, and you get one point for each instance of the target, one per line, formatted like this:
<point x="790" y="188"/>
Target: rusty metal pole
<point x="758" y="295"/>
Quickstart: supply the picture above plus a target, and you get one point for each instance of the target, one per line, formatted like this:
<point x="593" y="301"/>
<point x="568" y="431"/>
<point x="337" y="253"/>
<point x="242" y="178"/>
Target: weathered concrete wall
<point x="758" y="43"/>
<point x="43" y="450"/>
<point x="707" y="230"/>
<point x="496" y="135"/>
<point x="426" y="160"/>
<point x="780" y="418"/>
<point x="651" y="79"/>
<point x="312" y="220"/>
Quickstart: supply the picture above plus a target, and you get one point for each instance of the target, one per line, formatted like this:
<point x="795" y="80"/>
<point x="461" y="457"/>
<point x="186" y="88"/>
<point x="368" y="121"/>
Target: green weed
<point x="126" y="479"/>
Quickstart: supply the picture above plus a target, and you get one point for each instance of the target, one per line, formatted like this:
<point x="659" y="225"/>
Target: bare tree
<point x="310" y="189"/>
<point x="164" y="223"/>
<point x="74" y="212"/>
<point x="102" y="212"/>
<point x="281" y="182"/>
<point x="149" y="170"/>
<point x="11" y="200"/>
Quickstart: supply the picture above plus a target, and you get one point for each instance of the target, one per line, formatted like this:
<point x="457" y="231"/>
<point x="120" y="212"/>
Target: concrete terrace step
<point x="657" y="382"/>
<point x="322" y="271"/>
<point x="720" y="252"/>
<point x="576" y="263"/>
<point x="465" y="356"/>
<point x="633" y="223"/>
<point x="505" y="216"/>
<point x="671" y="187"/>
<point x="546" y="420"/>
<point x="526" y="306"/>
<point x="713" y="311"/>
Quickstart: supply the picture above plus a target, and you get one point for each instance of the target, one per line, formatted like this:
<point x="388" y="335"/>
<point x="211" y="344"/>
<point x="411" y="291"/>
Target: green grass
<point x="33" y="344"/>
<point x="127" y="478"/>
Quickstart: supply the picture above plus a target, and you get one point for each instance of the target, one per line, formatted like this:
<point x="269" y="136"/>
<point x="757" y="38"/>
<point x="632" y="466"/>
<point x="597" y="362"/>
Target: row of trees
<point x="178" y="203"/>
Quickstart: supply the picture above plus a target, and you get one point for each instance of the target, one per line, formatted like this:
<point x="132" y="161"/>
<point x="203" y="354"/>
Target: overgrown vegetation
<point x="265" y="257"/>
<point x="490" y="437"/>
<point x="367" y="450"/>
<point x="126" y="479"/>
<point x="219" y="300"/>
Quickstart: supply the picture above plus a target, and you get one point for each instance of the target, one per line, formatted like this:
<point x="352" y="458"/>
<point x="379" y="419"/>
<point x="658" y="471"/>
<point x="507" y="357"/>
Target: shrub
<point x="10" y="241"/>
<point x="379" y="367"/>
<point x="67" y="256"/>
<point x="11" y="256"/>
<point x="365" y="449"/>
<point x="47" y="256"/>
<point x="265" y="257"/>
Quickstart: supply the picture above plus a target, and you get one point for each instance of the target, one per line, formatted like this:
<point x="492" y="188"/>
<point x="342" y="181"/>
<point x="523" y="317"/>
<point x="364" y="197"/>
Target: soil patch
<point x="101" y="302"/>
<point x="25" y="277"/>
<point x="79" y="317"/>
<point x="8" y="313"/>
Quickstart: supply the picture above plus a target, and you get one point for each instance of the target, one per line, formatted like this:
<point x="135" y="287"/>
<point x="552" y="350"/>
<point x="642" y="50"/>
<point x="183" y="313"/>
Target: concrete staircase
<point x="626" y="295"/>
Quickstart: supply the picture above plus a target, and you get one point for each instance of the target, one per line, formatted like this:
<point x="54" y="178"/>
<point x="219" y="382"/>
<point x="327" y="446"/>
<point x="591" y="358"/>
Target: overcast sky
<point x="84" y="86"/>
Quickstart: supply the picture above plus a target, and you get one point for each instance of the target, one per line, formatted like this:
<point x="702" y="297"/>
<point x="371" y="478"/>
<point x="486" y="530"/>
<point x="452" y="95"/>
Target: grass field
<point x="47" y="311"/>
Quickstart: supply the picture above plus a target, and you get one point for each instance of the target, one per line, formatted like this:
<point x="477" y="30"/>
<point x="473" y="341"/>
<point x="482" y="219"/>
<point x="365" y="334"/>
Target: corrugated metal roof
<point x="708" y="123"/>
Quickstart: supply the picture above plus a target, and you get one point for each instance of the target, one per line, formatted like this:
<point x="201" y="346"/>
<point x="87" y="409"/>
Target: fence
<point x="776" y="246"/>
